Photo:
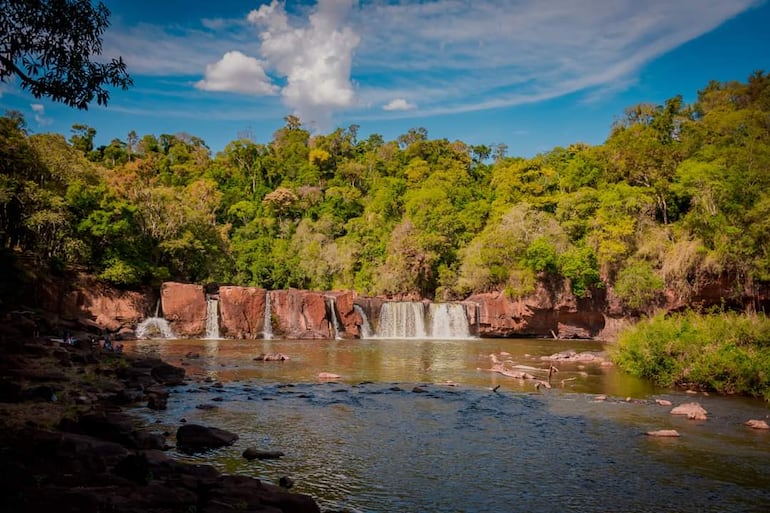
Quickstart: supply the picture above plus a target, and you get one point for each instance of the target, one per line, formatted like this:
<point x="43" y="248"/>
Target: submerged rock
<point x="664" y="433"/>
<point x="271" y="357"/>
<point x="252" y="453"/>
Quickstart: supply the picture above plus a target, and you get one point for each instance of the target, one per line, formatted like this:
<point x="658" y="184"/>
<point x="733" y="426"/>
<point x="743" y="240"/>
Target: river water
<point x="370" y="441"/>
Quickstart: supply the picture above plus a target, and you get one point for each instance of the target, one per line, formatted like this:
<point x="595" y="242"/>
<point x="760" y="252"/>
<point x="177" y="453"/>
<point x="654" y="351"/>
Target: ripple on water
<point x="380" y="447"/>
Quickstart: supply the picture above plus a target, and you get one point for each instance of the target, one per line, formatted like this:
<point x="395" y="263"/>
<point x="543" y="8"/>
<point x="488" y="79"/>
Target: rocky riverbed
<point x="66" y="445"/>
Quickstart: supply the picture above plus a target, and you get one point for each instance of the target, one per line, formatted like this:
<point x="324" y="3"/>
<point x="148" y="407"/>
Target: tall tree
<point x="48" y="45"/>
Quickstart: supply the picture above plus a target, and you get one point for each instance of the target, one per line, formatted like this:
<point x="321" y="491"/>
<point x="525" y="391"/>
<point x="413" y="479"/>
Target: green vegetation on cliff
<point x="676" y="198"/>
<point x="725" y="352"/>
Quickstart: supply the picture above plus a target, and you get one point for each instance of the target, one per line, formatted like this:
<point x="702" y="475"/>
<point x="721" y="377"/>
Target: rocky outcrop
<point x="92" y="305"/>
<point x="301" y="314"/>
<point x="349" y="319"/>
<point x="96" y="459"/>
<point x="184" y="307"/>
<point x="543" y="314"/>
<point x="242" y="312"/>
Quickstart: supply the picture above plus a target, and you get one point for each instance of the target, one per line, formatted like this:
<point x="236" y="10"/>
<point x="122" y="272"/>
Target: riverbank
<point x="727" y="353"/>
<point x="66" y="444"/>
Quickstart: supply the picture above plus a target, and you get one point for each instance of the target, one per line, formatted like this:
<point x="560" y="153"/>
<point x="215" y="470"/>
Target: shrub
<point x="725" y="352"/>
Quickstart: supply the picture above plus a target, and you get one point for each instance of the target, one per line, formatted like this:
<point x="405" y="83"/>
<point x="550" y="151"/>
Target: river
<point x="372" y="442"/>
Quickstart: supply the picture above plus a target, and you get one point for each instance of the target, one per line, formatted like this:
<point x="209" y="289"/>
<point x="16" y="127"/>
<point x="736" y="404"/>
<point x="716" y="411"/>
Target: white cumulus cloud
<point x="399" y="104"/>
<point x="315" y="59"/>
<point x="238" y="73"/>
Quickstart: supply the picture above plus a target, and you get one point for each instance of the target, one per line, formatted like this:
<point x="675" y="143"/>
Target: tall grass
<point x="725" y="352"/>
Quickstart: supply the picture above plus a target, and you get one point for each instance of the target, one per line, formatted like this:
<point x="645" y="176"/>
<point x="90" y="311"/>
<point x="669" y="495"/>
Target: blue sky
<point x="530" y="74"/>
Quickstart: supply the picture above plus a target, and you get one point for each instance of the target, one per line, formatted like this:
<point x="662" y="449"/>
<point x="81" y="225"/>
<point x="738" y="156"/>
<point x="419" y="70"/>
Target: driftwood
<point x="501" y="368"/>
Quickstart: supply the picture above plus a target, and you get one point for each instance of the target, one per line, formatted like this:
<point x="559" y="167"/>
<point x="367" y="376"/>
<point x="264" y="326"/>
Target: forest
<point x="676" y="197"/>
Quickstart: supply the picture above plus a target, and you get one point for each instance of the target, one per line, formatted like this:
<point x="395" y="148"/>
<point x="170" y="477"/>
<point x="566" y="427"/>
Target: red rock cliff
<point x="300" y="314"/>
<point x="92" y="304"/>
<point x="184" y="307"/>
<point x="242" y="312"/>
<point x="545" y="313"/>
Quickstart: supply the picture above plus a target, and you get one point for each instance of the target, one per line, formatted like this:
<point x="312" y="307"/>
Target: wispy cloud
<point x="395" y="59"/>
<point x="496" y="53"/>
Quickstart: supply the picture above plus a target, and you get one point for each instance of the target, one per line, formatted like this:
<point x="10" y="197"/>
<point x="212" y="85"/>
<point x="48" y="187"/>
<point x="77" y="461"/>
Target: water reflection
<point x="376" y="446"/>
<point x="390" y="360"/>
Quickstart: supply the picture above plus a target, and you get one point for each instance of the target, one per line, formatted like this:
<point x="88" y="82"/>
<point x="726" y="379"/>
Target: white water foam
<point x="154" y="328"/>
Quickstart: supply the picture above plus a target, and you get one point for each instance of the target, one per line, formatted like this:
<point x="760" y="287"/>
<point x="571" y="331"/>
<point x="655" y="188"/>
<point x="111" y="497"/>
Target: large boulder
<point x="242" y="312"/>
<point x="192" y="438"/>
<point x="184" y="307"/>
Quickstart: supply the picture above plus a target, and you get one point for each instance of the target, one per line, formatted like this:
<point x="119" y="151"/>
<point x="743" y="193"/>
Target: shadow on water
<point x="415" y="426"/>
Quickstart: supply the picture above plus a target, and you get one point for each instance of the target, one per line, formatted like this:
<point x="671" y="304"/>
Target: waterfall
<point x="331" y="309"/>
<point x="366" y="328"/>
<point x="448" y="320"/>
<point x="154" y="328"/>
<point x="410" y="320"/>
<point x="212" y="319"/>
<point x="402" y="320"/>
<point x="267" y="329"/>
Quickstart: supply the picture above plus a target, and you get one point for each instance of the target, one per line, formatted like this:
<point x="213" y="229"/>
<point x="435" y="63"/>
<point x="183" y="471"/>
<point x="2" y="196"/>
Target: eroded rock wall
<point x="242" y="312"/>
<point x="300" y="314"/>
<point x="548" y="312"/>
<point x="350" y="320"/>
<point x="92" y="305"/>
<point x="184" y="307"/>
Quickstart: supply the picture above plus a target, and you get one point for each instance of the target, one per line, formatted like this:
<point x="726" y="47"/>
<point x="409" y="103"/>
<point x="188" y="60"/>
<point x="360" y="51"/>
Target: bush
<point x="120" y="272"/>
<point x="579" y="265"/>
<point x="638" y="286"/>
<point x="726" y="353"/>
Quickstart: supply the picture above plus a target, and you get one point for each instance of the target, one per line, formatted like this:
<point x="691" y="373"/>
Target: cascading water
<point x="410" y="320"/>
<point x="366" y="328"/>
<point x="267" y="330"/>
<point x="212" y="319"/>
<point x="448" y="320"/>
<point x="402" y="320"/>
<point x="331" y="308"/>
<point x="154" y="328"/>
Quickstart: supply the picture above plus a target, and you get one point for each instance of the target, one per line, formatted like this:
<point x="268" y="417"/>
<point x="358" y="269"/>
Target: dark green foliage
<point x="48" y="46"/>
